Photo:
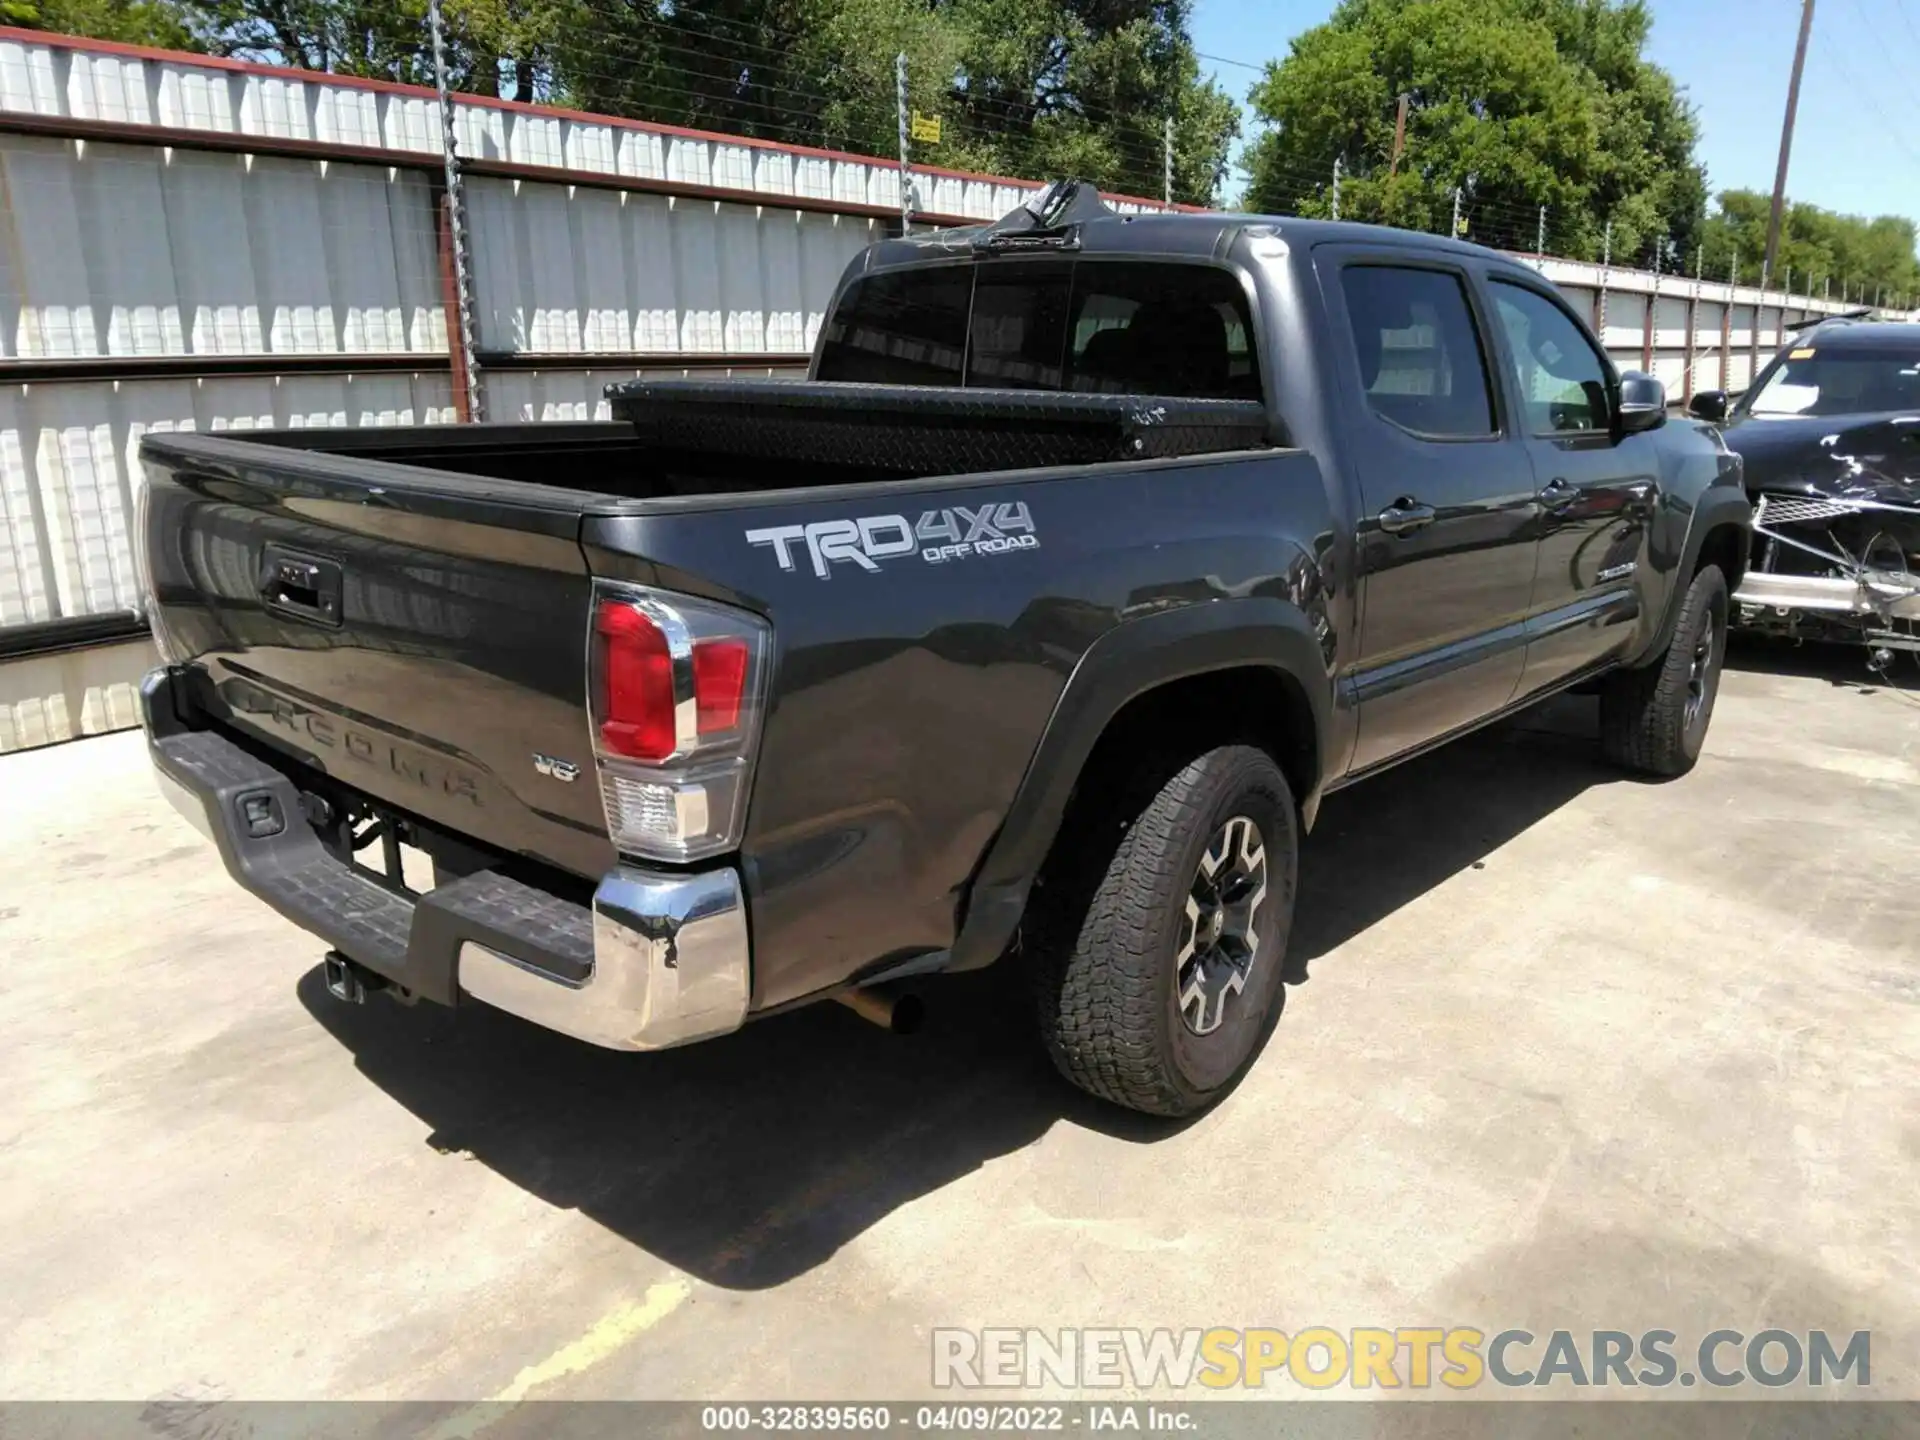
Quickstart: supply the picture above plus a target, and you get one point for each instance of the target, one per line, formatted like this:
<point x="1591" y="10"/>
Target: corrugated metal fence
<point x="197" y="243"/>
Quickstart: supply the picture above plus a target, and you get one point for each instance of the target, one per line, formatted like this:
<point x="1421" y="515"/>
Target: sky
<point x="1856" y="146"/>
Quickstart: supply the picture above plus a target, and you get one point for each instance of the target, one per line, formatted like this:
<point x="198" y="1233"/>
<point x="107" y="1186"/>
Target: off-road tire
<point x="1109" y="921"/>
<point x="1645" y="721"/>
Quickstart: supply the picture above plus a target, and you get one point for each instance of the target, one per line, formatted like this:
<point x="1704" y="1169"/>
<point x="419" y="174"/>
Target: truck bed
<point x="678" y="438"/>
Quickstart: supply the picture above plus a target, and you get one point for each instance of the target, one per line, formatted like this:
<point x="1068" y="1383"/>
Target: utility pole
<point x="456" y="214"/>
<point x="1786" y="136"/>
<point x="1540" y="236"/>
<point x="1455" y="232"/>
<point x="1336" y="187"/>
<point x="906" y="175"/>
<point x="1399" y="137"/>
<point x="1166" y="151"/>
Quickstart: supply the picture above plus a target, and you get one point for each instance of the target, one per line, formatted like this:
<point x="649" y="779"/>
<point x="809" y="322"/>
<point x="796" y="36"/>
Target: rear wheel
<point x="1655" y="719"/>
<point x="1159" y="972"/>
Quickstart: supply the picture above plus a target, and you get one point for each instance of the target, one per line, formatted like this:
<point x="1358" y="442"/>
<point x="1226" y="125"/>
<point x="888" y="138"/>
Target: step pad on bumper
<point x="659" y="958"/>
<point x="414" y="945"/>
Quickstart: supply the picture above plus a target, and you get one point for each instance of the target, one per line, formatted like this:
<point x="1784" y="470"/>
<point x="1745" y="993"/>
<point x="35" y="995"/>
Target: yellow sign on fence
<point x="926" y="128"/>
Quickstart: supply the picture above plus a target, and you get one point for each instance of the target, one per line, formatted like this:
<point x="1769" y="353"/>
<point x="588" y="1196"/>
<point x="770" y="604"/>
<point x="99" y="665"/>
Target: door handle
<point x="1559" y="493"/>
<point x="1405" y="516"/>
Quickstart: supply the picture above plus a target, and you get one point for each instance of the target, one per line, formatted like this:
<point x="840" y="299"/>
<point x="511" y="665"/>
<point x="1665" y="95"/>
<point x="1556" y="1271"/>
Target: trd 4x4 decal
<point x="956" y="533"/>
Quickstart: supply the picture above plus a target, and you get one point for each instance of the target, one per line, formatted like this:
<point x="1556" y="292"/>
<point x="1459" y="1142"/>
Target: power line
<point x="1224" y="60"/>
<point x="1900" y="9"/>
<point x="1859" y="87"/>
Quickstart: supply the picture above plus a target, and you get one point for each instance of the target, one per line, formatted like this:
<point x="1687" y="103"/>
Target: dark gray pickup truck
<point x="1095" y="551"/>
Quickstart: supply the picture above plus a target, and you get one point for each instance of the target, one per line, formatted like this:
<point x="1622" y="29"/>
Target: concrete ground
<point x="1568" y="1051"/>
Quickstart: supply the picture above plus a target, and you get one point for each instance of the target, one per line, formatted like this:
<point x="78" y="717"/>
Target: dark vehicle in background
<point x="1037" y="623"/>
<point x="1830" y="433"/>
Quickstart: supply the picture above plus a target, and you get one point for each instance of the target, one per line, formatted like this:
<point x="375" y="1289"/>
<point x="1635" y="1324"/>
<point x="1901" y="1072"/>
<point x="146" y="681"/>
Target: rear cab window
<point x="1101" y="326"/>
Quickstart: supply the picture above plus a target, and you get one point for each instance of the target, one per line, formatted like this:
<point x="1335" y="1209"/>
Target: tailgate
<point x="420" y="637"/>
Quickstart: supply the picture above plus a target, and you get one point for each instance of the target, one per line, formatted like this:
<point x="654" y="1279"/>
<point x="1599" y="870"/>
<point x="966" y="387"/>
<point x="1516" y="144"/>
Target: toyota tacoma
<point x="1036" y="622"/>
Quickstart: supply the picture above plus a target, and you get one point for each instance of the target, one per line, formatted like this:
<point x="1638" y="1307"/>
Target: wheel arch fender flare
<point x="1719" y="506"/>
<point x="1129" y="661"/>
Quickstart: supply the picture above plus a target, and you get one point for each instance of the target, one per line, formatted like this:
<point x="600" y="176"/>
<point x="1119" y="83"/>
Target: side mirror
<point x="1711" y="405"/>
<point x="1643" y="403"/>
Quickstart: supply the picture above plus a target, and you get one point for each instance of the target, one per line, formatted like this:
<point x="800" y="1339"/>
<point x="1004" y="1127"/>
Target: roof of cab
<point x="1204" y="233"/>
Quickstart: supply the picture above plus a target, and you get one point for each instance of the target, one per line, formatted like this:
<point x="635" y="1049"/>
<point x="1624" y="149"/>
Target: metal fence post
<point x="1726" y="324"/>
<point x="1606" y="274"/>
<point x="1693" y="323"/>
<point x="906" y="174"/>
<point x="1166" y="154"/>
<point x="465" y="368"/>
<point x="1647" y="340"/>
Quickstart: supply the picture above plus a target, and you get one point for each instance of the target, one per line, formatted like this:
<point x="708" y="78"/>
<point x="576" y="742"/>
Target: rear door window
<point x="1421" y="360"/>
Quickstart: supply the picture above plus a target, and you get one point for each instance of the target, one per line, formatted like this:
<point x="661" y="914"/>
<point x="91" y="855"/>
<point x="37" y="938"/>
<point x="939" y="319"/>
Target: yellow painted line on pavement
<point x="606" y="1335"/>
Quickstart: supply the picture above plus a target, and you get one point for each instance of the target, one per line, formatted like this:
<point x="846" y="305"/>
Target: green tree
<point x="1036" y="88"/>
<point x="1859" y="256"/>
<point x="1085" y="87"/>
<point x="130" y="22"/>
<point x="1513" y="104"/>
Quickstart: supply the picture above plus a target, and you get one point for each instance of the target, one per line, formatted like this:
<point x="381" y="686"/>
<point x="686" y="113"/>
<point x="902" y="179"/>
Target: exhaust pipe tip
<point x="898" y="1014"/>
<point x="909" y="1014"/>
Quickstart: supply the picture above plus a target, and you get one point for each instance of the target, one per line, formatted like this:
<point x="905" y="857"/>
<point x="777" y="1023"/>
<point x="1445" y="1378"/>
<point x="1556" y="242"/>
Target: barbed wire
<point x="651" y="56"/>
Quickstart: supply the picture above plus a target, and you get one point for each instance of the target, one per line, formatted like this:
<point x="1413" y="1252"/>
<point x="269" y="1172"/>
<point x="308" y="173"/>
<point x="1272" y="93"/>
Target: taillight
<point x="676" y="694"/>
<point x="719" y="683"/>
<point x="635" y="699"/>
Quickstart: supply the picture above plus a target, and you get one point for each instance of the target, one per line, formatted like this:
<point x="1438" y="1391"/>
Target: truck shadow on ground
<point x="748" y="1160"/>
<point x="1383" y="844"/>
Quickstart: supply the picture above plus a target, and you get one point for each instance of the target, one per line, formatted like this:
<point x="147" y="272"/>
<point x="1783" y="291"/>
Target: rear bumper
<point x="658" y="958"/>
